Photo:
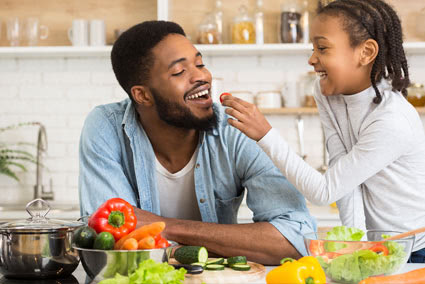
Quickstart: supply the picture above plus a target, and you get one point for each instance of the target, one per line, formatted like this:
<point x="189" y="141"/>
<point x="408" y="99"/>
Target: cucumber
<point x="241" y="267"/>
<point x="105" y="241"/>
<point x="199" y="264"/>
<point x="214" y="267"/>
<point x="84" y="237"/>
<point x="191" y="254"/>
<point x="215" y="261"/>
<point x="236" y="260"/>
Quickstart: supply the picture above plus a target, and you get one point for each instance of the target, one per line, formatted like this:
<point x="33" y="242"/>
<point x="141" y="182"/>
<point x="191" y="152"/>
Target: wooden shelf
<point x="205" y="49"/>
<point x="307" y="111"/>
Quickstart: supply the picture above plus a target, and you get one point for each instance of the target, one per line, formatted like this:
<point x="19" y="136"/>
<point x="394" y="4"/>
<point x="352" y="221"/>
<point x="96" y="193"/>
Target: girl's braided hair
<point x="375" y="19"/>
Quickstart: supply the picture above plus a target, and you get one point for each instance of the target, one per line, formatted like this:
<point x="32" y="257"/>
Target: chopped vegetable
<point x="379" y="248"/>
<point x="214" y="267"/>
<point x="241" y="267"/>
<point x="383" y="258"/>
<point x="152" y="229"/>
<point x="416" y="276"/>
<point x="115" y="216"/>
<point x="236" y="260"/>
<point x="306" y="270"/>
<point x="149" y="272"/>
<point x="191" y="254"/>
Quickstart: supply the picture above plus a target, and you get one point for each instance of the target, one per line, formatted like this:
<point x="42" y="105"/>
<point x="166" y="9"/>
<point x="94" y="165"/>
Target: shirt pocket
<point x="227" y="209"/>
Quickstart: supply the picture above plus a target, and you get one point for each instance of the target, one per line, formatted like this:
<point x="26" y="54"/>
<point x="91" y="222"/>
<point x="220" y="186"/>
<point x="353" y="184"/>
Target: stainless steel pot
<point x="38" y="247"/>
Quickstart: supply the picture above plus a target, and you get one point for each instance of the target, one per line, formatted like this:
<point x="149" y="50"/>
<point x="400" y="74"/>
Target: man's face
<point x="180" y="85"/>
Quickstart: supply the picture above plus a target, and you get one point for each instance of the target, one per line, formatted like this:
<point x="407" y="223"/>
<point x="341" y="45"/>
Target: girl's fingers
<point x="235" y="113"/>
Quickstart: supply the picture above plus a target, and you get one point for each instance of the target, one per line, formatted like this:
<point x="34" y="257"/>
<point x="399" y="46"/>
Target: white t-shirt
<point x="177" y="195"/>
<point x="377" y="159"/>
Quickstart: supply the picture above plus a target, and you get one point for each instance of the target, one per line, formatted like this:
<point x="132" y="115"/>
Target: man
<point x="169" y="152"/>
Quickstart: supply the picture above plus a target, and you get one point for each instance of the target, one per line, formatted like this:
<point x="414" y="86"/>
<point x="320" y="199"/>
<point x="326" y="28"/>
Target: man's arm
<point x="260" y="242"/>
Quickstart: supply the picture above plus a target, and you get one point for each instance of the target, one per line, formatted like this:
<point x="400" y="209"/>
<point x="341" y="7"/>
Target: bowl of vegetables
<point x="349" y="255"/>
<point x="111" y="246"/>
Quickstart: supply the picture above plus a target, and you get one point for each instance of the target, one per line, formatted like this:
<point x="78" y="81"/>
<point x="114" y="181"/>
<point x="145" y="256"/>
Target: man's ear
<point x="141" y="95"/>
<point x="369" y="51"/>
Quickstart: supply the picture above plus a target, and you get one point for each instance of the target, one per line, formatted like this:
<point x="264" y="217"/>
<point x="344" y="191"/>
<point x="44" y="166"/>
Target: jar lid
<point x="38" y="223"/>
<point x="243" y="15"/>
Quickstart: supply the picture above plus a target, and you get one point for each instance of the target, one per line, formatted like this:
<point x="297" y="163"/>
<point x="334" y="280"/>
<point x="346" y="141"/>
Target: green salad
<point x="356" y="266"/>
<point x="149" y="272"/>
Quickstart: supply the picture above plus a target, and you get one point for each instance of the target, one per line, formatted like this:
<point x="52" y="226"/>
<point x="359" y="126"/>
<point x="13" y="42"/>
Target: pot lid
<point x="38" y="222"/>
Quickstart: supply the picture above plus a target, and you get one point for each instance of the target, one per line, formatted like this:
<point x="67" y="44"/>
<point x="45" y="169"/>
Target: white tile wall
<point x="59" y="92"/>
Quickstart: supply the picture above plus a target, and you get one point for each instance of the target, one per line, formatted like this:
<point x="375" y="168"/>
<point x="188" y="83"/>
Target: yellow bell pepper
<point x="306" y="270"/>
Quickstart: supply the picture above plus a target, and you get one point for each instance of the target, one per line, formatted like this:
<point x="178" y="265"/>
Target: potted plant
<point x="13" y="156"/>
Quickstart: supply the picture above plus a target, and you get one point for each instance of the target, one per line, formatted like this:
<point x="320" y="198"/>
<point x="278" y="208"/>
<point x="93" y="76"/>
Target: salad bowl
<point x="349" y="255"/>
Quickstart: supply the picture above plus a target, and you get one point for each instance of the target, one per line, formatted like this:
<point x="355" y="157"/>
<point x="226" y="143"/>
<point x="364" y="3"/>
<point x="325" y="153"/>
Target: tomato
<point x="162" y="243"/>
<point x="224" y="94"/>
<point x="379" y="248"/>
<point x="316" y="247"/>
<point x="157" y="238"/>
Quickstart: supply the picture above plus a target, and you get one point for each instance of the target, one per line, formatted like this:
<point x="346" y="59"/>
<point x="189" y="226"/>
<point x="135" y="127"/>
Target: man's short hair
<point x="131" y="55"/>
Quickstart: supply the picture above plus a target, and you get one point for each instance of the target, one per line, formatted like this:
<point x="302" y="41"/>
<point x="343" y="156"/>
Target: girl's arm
<point x="371" y="154"/>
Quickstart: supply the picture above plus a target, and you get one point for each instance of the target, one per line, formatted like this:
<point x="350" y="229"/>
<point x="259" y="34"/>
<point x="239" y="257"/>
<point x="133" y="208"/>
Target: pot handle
<point x="84" y="218"/>
<point x="39" y="213"/>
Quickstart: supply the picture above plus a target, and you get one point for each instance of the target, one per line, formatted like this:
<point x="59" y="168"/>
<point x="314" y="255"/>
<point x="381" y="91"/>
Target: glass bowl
<point x="353" y="261"/>
<point x="104" y="264"/>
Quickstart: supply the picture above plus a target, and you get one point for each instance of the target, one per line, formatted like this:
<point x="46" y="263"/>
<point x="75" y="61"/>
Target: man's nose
<point x="198" y="74"/>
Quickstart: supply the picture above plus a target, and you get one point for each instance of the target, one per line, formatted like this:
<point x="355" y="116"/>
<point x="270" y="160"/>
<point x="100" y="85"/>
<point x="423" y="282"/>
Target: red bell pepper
<point x="115" y="216"/>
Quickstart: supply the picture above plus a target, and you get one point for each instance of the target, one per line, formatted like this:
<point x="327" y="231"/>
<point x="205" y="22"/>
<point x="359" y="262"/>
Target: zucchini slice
<point x="241" y="267"/>
<point x="199" y="264"/>
<point x="236" y="260"/>
<point x="214" y="267"/>
<point x="216" y="261"/>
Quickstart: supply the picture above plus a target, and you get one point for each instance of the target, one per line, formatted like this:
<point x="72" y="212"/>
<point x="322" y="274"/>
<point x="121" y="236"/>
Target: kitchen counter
<point x="79" y="276"/>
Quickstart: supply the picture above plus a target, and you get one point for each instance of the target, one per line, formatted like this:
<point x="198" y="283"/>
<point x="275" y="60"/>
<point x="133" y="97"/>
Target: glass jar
<point x="290" y="22"/>
<point x="416" y="95"/>
<point x="208" y="32"/>
<point x="308" y="81"/>
<point x="243" y="27"/>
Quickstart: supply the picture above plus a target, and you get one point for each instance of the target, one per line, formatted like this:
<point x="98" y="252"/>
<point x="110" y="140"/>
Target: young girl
<point x="374" y="137"/>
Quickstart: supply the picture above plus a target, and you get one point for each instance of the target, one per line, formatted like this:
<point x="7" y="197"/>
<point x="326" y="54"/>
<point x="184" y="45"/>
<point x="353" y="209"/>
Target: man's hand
<point x="249" y="119"/>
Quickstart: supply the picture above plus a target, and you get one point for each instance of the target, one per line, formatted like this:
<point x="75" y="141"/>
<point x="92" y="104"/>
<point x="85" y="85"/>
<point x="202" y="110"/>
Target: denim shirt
<point x="117" y="160"/>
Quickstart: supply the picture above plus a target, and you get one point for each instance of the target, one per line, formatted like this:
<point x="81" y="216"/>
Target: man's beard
<point x="181" y="116"/>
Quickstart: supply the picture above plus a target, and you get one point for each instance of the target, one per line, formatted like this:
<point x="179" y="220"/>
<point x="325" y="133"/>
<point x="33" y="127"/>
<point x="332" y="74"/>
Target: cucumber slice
<point x="199" y="263"/>
<point x="214" y="267"/>
<point x="236" y="260"/>
<point x="215" y="261"/>
<point x="191" y="254"/>
<point x="241" y="267"/>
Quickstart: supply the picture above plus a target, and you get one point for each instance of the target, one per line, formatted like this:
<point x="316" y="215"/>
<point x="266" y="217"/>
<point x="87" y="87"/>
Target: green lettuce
<point x="342" y="233"/>
<point x="352" y="268"/>
<point x="149" y="272"/>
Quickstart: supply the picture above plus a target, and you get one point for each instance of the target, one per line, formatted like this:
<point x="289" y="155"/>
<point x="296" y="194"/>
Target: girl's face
<point x="334" y="60"/>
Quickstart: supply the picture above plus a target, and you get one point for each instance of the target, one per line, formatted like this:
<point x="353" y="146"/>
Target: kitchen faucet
<point x="39" y="191"/>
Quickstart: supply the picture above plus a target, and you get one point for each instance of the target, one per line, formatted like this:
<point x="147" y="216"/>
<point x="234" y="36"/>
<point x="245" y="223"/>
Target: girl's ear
<point x="369" y="51"/>
<point x="141" y="95"/>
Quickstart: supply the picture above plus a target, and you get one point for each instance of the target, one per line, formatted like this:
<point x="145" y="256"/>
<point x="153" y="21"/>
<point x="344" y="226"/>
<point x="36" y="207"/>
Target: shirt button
<point x="202" y="200"/>
<point x="198" y="165"/>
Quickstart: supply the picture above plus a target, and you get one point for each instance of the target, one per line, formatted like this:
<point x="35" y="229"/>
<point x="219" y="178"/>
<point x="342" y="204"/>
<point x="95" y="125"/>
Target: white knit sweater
<point x="377" y="161"/>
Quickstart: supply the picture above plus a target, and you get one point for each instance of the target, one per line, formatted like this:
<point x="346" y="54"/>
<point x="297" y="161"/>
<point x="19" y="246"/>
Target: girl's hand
<point x="249" y="119"/>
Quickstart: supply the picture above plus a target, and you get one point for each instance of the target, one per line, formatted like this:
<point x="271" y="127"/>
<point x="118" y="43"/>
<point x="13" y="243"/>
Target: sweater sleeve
<point x="370" y="155"/>
<point x="350" y="207"/>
